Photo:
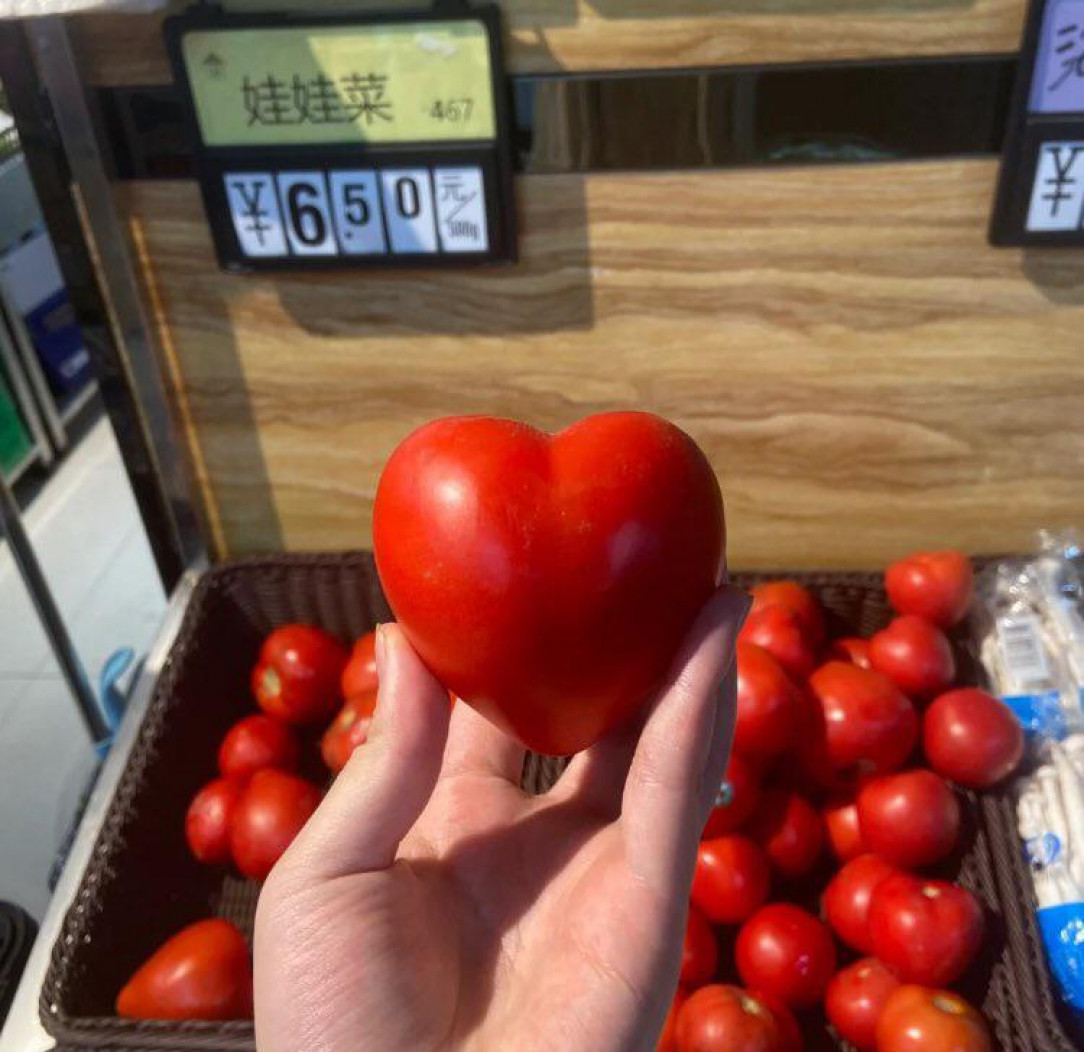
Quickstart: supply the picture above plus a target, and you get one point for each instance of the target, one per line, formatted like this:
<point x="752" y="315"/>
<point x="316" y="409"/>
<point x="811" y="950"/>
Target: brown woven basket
<point x="142" y="885"/>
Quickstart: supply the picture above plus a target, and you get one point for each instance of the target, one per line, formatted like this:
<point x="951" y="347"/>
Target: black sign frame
<point x="493" y="156"/>
<point x="1024" y="139"/>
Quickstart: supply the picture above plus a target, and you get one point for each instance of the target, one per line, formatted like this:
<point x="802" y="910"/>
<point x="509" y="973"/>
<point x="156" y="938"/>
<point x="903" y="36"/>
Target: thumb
<point x="387" y="782"/>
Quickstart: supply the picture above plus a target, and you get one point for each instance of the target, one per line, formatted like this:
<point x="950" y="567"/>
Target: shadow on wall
<point x="1057" y="273"/>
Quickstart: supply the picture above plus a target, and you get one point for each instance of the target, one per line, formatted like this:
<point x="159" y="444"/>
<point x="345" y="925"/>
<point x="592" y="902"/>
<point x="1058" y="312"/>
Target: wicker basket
<point x="142" y="885"/>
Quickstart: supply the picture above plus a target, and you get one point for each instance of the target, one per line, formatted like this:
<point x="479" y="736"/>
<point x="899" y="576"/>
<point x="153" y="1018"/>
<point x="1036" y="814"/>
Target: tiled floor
<point x="86" y="531"/>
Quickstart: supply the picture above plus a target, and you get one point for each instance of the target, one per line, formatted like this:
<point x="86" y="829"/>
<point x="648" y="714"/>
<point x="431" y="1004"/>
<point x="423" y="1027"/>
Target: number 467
<point x="451" y="109"/>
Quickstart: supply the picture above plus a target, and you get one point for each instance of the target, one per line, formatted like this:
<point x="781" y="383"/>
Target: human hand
<point x="431" y="904"/>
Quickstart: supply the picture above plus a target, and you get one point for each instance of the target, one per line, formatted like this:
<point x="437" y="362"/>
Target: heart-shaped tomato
<point x="548" y="579"/>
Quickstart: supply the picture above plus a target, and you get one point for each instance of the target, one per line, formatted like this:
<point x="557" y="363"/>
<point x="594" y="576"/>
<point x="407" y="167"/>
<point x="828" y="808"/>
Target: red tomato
<point x="359" y="674"/>
<point x="528" y="569"/>
<point x="778" y="630"/>
<point x="731" y="879"/>
<point x="728" y="1019"/>
<point x="202" y="972"/>
<point x="926" y="931"/>
<point x="916" y="1019"/>
<point x="348" y="730"/>
<point x="972" y="738"/>
<point x="868" y="723"/>
<point x="915" y="655"/>
<point x="768" y="703"/>
<point x="737" y="798"/>
<point x="846" y="899"/>
<point x="209" y="819"/>
<point x="668" y="1038"/>
<point x="789" y="830"/>
<point x="910" y="819"/>
<point x="269" y="815"/>
<point x="853" y="649"/>
<point x="840" y="816"/>
<point x="856" y="997"/>
<point x="699" y="951"/>
<point x="255" y="742"/>
<point x="789" y="1030"/>
<point x="809" y="766"/>
<point x="297" y="676"/>
<point x="801" y="602"/>
<point x="788" y="953"/>
<point x="933" y="585"/>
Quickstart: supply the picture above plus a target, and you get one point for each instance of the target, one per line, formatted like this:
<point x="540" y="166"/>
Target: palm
<point x="500" y="921"/>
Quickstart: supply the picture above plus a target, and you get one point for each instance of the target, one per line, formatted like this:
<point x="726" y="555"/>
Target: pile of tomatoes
<point x="249" y="814"/>
<point x="827" y="749"/>
<point x="304" y="678"/>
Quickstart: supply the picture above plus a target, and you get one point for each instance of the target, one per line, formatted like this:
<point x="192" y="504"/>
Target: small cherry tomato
<point x="668" y="1038"/>
<point x="256" y="742"/>
<point x="926" y="931"/>
<point x="910" y="819"/>
<point x="869" y="724"/>
<point x="731" y="879"/>
<point x="855" y="999"/>
<point x="210" y="818"/>
<point x="270" y="813"/>
<point x="699" y="951"/>
<point x="972" y="738"/>
<point x="728" y="1019"/>
<point x="801" y="602"/>
<point x="359" y="673"/>
<point x="297" y="676"/>
<point x="917" y="1019"/>
<point x="846" y="899"/>
<point x="915" y="655"/>
<point x="767" y="719"/>
<point x="851" y="648"/>
<point x="737" y="798"/>
<point x="786" y="952"/>
<point x="841" y="827"/>
<point x="778" y="630"/>
<point x="348" y="730"/>
<point x="789" y="830"/>
<point x="933" y="585"/>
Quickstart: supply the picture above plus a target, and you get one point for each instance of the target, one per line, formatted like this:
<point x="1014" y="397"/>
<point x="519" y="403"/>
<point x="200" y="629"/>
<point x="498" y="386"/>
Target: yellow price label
<point x="395" y="83"/>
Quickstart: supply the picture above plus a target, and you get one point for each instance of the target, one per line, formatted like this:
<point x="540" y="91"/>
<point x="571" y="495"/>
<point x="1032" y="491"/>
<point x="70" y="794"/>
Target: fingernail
<point x="378" y="650"/>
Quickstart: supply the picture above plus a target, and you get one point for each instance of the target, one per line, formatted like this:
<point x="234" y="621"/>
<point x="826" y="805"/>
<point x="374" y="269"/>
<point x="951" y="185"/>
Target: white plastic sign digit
<point x="408" y="208"/>
<point x="355" y="205"/>
<point x="306" y="213"/>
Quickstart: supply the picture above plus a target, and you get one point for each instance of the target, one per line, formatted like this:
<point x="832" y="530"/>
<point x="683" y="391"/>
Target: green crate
<point x="14" y="440"/>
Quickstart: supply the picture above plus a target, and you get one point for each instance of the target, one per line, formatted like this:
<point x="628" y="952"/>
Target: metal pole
<point x="26" y="561"/>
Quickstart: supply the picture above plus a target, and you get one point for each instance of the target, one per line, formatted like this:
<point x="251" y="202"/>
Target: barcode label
<point x="1022" y="652"/>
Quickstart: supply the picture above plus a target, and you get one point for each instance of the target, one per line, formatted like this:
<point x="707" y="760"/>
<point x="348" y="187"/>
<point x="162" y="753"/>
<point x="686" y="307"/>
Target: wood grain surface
<point x="550" y="35"/>
<point x="866" y="375"/>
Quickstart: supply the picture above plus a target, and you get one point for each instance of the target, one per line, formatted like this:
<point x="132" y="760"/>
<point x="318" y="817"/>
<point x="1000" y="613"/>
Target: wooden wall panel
<point x="551" y="35"/>
<point x="866" y="375"/>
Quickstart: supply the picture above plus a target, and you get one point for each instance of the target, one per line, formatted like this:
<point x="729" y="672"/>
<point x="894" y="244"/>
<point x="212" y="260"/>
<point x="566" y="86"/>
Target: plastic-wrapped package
<point x="1059" y="569"/>
<point x="1023" y="658"/>
<point x="1050" y="819"/>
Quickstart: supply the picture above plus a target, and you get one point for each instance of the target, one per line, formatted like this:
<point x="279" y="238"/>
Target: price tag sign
<point x="355" y="141"/>
<point x="1040" y="194"/>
